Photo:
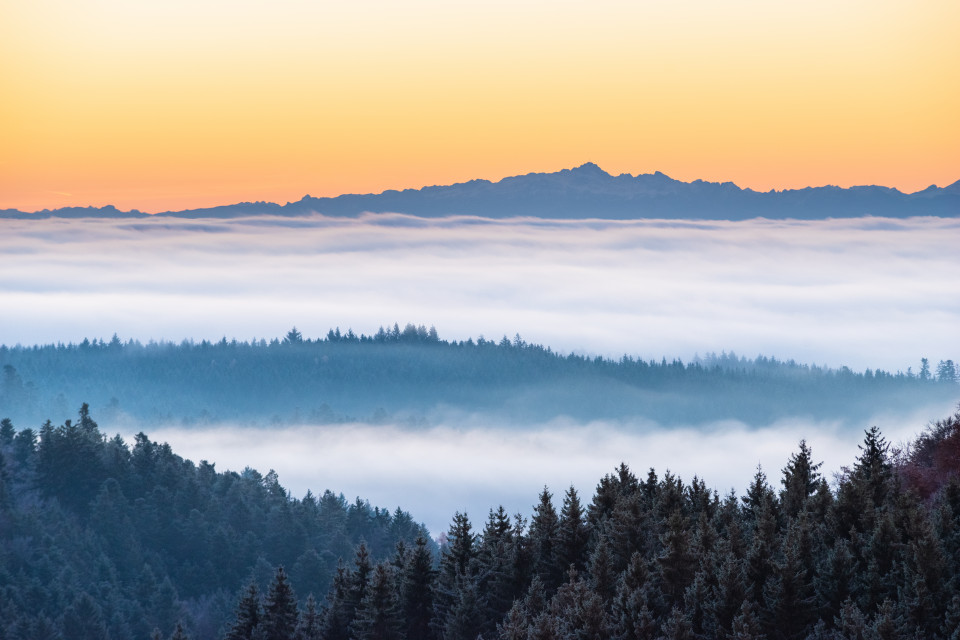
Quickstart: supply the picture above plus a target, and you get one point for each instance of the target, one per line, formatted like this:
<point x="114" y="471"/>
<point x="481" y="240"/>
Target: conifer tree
<point x="800" y="481"/>
<point x="677" y="627"/>
<point x="339" y="613"/>
<point x="416" y="592"/>
<point x="602" y="578"/>
<point x="731" y="591"/>
<point x="789" y="594"/>
<point x="544" y="539"/>
<point x="759" y="564"/>
<point x="465" y="618"/>
<point x="676" y="564"/>
<point x="573" y="534"/>
<point x="310" y="622"/>
<point x="248" y="615"/>
<point x="746" y="626"/>
<point x="851" y="623"/>
<point x="457" y="562"/>
<point x="279" y="621"/>
<point x="632" y="616"/>
<point x="834" y="581"/>
<point x="179" y="633"/>
<point x="378" y="616"/>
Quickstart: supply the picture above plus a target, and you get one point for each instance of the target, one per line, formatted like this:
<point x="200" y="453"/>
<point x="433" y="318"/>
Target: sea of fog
<point x="864" y="293"/>
<point x="867" y="292"/>
<point x="435" y="472"/>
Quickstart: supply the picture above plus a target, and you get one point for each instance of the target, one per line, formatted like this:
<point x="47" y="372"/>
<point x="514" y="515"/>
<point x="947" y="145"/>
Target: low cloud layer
<point x="433" y="473"/>
<point x="863" y="293"/>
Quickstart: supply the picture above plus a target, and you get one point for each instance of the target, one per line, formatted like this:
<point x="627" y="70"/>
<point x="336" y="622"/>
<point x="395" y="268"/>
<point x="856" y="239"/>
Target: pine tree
<point x="731" y="592"/>
<point x="179" y="633"/>
<point x="789" y="594"/>
<point x="573" y="533"/>
<point x="759" y="566"/>
<point x="834" y="580"/>
<point x="378" y="616"/>
<point x="339" y="613"/>
<point x="632" y="616"/>
<point x="676" y="564"/>
<point x="746" y="626"/>
<point x="416" y="592"/>
<point x="457" y="562"/>
<point x="83" y="620"/>
<point x="465" y="619"/>
<point x="247" y="617"/>
<point x="602" y="578"/>
<point x="279" y="621"/>
<point x="800" y="481"/>
<point x="851" y="624"/>
<point x="677" y="627"/>
<point x="310" y="623"/>
<point x="544" y="539"/>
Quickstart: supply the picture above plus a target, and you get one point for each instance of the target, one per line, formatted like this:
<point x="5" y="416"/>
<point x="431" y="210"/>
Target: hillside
<point x="411" y="376"/>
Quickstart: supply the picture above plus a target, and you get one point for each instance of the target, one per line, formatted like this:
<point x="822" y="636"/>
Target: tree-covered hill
<point x="412" y="375"/>
<point x="119" y="538"/>
<point x="101" y="540"/>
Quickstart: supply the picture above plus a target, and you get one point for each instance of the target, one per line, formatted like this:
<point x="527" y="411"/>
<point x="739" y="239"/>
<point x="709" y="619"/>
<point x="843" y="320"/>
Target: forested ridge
<point x="100" y="538"/>
<point x="105" y="540"/>
<point x="411" y="375"/>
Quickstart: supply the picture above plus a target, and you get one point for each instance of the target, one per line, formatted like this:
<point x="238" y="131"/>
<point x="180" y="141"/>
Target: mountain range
<point x="586" y="191"/>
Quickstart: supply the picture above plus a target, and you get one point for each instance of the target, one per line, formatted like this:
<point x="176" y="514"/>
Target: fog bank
<point x="866" y="292"/>
<point x="433" y="473"/>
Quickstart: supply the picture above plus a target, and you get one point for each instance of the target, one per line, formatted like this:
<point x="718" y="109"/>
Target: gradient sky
<point x="168" y="104"/>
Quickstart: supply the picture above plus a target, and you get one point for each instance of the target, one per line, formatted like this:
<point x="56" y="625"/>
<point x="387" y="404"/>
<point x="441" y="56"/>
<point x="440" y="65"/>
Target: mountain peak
<point x="590" y="168"/>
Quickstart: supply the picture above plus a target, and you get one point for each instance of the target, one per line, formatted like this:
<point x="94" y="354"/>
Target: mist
<point x="473" y="466"/>
<point x="867" y="292"/>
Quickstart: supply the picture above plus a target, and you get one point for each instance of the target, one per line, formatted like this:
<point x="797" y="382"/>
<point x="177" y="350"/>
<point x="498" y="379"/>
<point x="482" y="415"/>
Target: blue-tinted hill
<point x="589" y="192"/>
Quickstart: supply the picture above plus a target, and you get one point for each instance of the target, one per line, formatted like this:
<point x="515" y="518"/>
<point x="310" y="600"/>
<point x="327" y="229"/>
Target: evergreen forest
<point x="100" y="538"/>
<point x="411" y="376"/>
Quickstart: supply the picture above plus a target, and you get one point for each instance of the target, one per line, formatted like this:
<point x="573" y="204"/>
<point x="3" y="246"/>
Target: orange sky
<point x="184" y="103"/>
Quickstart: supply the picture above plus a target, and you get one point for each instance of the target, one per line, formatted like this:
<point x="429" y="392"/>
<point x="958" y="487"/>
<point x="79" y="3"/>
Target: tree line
<point x="404" y="375"/>
<point x="101" y="539"/>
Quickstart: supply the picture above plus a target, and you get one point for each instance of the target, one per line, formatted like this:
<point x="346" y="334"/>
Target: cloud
<point x="859" y="292"/>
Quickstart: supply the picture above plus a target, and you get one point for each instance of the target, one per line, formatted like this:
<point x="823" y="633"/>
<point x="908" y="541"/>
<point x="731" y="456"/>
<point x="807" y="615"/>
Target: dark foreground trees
<point x="164" y="548"/>
<point x="656" y="558"/>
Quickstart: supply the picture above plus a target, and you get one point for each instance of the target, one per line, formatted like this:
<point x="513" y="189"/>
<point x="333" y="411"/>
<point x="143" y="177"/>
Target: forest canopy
<point x="412" y="376"/>
<point x="100" y="538"/>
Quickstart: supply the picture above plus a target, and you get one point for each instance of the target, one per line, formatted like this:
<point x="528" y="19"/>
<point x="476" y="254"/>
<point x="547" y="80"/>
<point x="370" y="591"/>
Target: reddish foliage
<point x="934" y="458"/>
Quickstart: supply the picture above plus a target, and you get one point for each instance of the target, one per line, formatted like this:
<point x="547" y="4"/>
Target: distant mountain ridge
<point x="586" y="191"/>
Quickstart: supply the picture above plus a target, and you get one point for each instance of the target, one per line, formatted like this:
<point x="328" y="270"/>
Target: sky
<point x="172" y="104"/>
<point x="863" y="293"/>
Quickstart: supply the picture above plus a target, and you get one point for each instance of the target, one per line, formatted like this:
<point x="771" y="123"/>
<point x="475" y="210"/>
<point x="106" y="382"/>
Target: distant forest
<point x="411" y="376"/>
<point x="104" y="539"/>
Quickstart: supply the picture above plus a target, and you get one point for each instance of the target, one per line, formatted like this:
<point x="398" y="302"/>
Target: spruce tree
<point x="378" y="616"/>
<point x="676" y="565"/>
<point x="416" y="592"/>
<point x="573" y="534"/>
<point x="279" y="621"/>
<point x="746" y="626"/>
<point x="800" y="481"/>
<point x="465" y="618"/>
<point x="310" y="622"/>
<point x="544" y="539"/>
<point x="247" y="616"/>
<point x="677" y="627"/>
<point x="457" y="562"/>
<point x="632" y="616"/>
<point x="339" y="613"/>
